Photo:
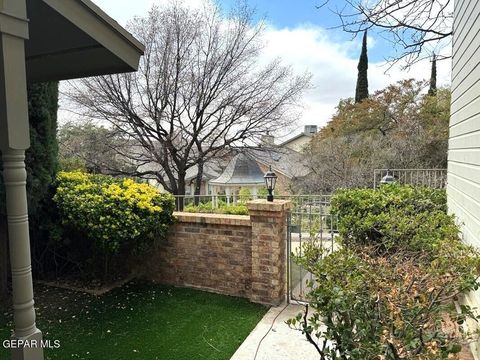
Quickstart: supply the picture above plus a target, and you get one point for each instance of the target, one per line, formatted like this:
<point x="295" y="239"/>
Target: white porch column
<point x="14" y="140"/>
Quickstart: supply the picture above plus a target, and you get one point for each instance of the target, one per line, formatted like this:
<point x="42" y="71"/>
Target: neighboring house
<point x="298" y="142"/>
<point x="287" y="164"/>
<point x="464" y="143"/>
<point x="211" y="170"/>
<point x="286" y="160"/>
<point x="463" y="186"/>
<point x="241" y="172"/>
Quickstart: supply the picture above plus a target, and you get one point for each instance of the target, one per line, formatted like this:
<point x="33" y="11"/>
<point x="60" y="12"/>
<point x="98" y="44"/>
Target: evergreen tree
<point x="41" y="158"/>
<point x="41" y="164"/>
<point x="361" y="92"/>
<point x="432" y="91"/>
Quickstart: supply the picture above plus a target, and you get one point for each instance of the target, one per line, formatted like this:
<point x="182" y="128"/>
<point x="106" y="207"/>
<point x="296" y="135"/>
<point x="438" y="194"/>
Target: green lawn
<point x="141" y="321"/>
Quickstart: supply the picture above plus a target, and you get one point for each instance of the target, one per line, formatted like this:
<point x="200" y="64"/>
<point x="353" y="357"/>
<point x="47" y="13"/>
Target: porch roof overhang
<point x="75" y="38"/>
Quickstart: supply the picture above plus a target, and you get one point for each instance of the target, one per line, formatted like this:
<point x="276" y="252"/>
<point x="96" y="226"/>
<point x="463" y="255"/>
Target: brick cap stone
<point x="264" y="205"/>
<point x="219" y="219"/>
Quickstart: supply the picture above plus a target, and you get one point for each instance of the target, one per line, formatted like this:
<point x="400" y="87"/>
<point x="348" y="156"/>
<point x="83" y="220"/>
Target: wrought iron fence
<point x="436" y="178"/>
<point x="318" y="202"/>
<point x="310" y="222"/>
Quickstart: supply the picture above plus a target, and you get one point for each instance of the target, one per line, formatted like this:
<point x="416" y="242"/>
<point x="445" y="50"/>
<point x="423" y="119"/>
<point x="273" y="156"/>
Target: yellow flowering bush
<point x="113" y="213"/>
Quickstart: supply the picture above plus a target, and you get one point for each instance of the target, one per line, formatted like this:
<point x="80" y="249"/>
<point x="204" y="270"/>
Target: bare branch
<point x="416" y="28"/>
<point x="199" y="91"/>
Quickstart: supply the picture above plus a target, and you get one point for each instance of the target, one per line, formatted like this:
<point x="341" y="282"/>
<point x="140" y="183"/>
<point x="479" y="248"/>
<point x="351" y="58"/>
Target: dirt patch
<point x="92" y="288"/>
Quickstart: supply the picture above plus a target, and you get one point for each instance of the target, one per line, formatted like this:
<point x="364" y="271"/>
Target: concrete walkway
<point x="280" y="343"/>
<point x="283" y="343"/>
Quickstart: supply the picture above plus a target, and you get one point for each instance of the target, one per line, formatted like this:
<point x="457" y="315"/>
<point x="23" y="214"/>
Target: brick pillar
<point x="269" y="245"/>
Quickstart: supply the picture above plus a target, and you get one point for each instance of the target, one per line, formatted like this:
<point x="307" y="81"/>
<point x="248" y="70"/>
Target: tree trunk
<point x="3" y="258"/>
<point x="198" y="183"/>
<point x="181" y="191"/>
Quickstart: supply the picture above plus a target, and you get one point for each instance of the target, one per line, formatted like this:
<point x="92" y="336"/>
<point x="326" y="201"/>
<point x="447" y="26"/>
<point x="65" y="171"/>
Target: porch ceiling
<point x="75" y="38"/>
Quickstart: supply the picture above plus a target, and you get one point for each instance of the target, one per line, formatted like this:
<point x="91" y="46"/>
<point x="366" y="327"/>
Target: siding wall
<point x="464" y="144"/>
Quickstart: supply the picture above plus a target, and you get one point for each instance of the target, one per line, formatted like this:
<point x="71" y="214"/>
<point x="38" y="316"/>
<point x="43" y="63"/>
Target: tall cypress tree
<point x="361" y="91"/>
<point x="41" y="164"/>
<point x="432" y="91"/>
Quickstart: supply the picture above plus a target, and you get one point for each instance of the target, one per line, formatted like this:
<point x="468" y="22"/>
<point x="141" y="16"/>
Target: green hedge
<point x="389" y="288"/>
<point x="394" y="216"/>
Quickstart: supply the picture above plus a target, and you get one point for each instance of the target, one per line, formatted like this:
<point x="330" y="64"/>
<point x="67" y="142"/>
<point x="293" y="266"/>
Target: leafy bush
<point x="388" y="291"/>
<point x="262" y="193"/>
<point x="244" y="195"/>
<point x="202" y="207"/>
<point x="393" y="216"/>
<point x="222" y="208"/>
<point x="116" y="215"/>
<point x="238" y="209"/>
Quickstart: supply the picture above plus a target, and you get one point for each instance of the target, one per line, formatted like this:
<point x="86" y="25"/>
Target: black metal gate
<point x="309" y="222"/>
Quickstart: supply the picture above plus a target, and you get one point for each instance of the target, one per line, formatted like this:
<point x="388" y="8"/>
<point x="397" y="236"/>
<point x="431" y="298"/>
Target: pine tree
<point x="361" y="92"/>
<point x="432" y="91"/>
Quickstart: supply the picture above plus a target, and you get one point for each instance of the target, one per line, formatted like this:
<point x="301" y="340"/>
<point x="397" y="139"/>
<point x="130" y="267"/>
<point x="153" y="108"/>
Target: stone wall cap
<point x="264" y="205"/>
<point x="219" y="219"/>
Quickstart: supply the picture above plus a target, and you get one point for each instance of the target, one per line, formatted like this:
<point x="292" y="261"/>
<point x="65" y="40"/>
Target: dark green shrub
<point x="393" y="216"/>
<point x="388" y="291"/>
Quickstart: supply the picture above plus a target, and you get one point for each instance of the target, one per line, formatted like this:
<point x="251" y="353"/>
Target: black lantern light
<point x="270" y="181"/>
<point x="388" y="179"/>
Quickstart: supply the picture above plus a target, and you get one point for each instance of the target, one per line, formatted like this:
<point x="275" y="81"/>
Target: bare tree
<point x="199" y="91"/>
<point x="95" y="148"/>
<point x="416" y="28"/>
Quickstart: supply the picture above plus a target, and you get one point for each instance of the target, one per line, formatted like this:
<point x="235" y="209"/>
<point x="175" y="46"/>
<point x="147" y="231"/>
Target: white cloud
<point x="333" y="66"/>
<point x="306" y="48"/>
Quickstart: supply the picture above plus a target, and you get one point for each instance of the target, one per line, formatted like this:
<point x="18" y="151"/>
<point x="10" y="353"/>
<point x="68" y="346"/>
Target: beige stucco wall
<point x="464" y="144"/>
<point x="298" y="144"/>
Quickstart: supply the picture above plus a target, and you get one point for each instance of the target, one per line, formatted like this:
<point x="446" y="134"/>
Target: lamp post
<point x="388" y="179"/>
<point x="270" y="181"/>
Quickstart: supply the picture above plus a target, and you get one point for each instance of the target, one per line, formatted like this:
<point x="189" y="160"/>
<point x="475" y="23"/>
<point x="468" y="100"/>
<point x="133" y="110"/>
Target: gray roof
<point x="241" y="170"/>
<point x="284" y="160"/>
<point x="211" y="170"/>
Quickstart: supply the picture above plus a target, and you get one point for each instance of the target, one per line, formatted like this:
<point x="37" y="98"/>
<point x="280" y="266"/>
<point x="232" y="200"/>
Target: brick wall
<point x="229" y="254"/>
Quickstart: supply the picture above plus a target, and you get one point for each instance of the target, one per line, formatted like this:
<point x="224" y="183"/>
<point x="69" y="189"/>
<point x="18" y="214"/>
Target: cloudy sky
<point x="301" y="35"/>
